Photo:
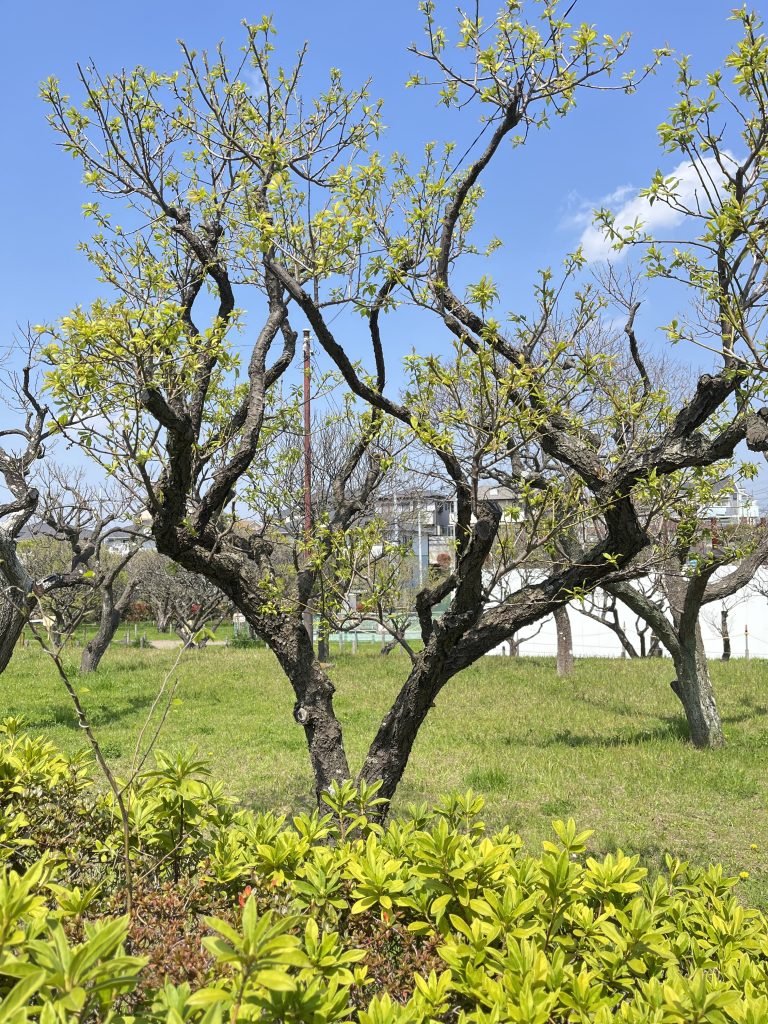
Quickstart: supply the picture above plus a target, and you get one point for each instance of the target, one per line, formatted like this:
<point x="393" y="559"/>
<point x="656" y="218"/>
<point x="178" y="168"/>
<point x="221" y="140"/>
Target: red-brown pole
<point x="307" y="463"/>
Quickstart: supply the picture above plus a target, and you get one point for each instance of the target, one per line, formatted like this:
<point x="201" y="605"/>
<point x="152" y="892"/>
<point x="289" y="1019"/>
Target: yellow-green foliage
<point x="541" y="938"/>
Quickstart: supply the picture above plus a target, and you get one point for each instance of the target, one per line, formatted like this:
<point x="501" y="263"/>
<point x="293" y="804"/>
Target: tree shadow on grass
<point x="673" y="728"/>
<point x="752" y="711"/>
<point x="755" y="711"/>
<point x="98" y="715"/>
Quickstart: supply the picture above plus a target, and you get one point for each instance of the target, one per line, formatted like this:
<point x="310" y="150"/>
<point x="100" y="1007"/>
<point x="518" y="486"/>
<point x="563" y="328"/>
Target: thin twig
<point x="55" y="655"/>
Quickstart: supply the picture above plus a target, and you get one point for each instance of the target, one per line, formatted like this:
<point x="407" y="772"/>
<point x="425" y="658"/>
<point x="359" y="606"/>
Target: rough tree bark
<point x="694" y="689"/>
<point x="564" y="641"/>
<point x="680" y="633"/>
<point x="14" y="613"/>
<point x="682" y="638"/>
<point x="17" y="598"/>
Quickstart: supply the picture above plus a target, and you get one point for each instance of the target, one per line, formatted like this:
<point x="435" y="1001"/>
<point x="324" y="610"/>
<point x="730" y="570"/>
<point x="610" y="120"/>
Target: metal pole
<point x="746" y="642"/>
<point x="307" y="465"/>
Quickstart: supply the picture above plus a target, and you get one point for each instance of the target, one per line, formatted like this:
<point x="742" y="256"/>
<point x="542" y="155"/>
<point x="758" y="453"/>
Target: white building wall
<point x="592" y="639"/>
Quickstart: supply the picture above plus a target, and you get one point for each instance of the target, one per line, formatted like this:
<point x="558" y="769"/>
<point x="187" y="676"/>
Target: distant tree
<point x="183" y="601"/>
<point x="23" y="447"/>
<point x="345" y="563"/>
<point x="86" y="530"/>
<point x="603" y="607"/>
<point x="719" y="621"/>
<point x="62" y="609"/>
<point x="695" y="568"/>
<point x="156" y="587"/>
<point x="760" y="581"/>
<point x="234" y="182"/>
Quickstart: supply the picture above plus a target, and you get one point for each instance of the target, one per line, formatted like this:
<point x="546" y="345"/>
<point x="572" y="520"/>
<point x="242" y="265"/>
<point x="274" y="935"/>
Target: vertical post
<point x="307" y="464"/>
<point x="746" y="642"/>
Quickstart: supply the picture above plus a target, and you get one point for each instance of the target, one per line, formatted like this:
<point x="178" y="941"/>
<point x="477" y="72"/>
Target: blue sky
<point x="609" y="143"/>
<point x="538" y="197"/>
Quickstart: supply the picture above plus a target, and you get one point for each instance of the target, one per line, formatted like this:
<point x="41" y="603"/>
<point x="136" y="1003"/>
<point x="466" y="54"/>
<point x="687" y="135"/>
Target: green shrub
<point x="333" y="916"/>
<point x="243" y="641"/>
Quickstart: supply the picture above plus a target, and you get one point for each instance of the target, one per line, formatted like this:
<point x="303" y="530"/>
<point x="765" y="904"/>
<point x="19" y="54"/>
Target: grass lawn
<point x="605" y="746"/>
<point x="133" y="631"/>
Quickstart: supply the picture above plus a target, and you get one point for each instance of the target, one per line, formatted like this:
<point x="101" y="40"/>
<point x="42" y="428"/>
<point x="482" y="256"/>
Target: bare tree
<point x="22" y="446"/>
<point x="199" y="608"/>
<point x="692" y="576"/>
<point x="92" y="526"/>
<point x="156" y="587"/>
<point x="603" y="608"/>
<point x="184" y="601"/>
<point x="719" y="621"/>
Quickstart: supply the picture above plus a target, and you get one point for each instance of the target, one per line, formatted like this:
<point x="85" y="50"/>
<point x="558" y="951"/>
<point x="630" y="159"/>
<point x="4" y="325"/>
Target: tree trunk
<point x="649" y="642"/>
<point x="112" y="613"/>
<point x="564" y="641"/>
<point x="313" y="709"/>
<point x="388" y="755"/>
<point x="96" y="648"/>
<point x="694" y="689"/>
<point x="286" y="636"/>
<point x="12" y="621"/>
<point x="726" y="635"/>
<point x="17" y="599"/>
<point x="163" y="619"/>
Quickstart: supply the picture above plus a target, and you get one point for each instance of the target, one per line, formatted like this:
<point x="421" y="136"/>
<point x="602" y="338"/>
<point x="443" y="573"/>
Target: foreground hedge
<point x="327" y="918"/>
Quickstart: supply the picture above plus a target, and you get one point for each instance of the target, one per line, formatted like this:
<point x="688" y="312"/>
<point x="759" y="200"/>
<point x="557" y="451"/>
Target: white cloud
<point x="580" y="211"/>
<point x="654" y="218"/>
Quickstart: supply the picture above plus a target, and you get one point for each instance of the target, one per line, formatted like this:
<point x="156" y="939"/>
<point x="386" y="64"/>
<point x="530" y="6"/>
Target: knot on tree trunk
<point x="300" y="713"/>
